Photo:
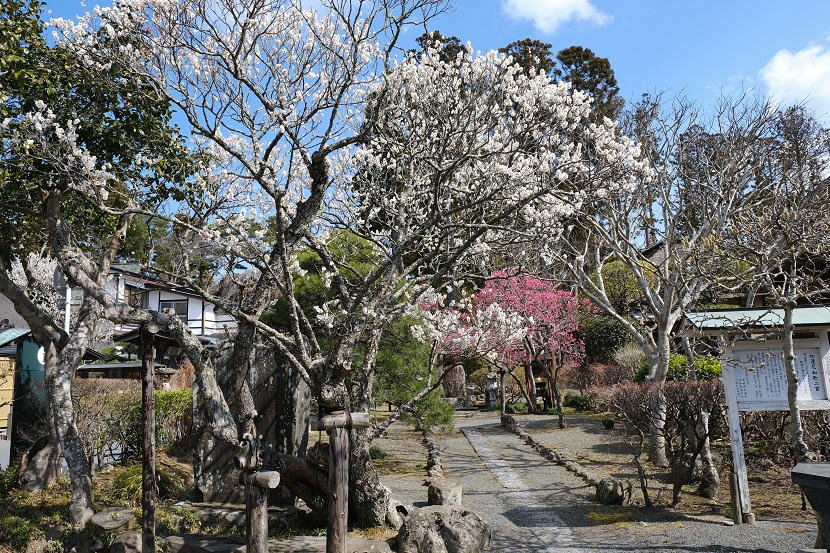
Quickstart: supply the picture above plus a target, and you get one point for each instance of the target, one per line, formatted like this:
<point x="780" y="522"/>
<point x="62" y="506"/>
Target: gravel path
<point x="533" y="505"/>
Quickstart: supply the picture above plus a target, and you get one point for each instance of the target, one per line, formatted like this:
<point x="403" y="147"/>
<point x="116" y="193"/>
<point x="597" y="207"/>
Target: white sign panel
<point x="760" y="376"/>
<point x="754" y="374"/>
<point x="754" y="379"/>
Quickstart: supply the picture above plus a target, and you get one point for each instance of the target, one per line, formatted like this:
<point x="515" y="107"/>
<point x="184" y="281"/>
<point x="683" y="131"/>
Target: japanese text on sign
<point x="760" y="376"/>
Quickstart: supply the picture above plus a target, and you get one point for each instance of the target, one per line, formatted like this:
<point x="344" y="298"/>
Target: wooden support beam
<point x="343" y="420"/>
<point x="338" y="515"/>
<point x="338" y="426"/>
<point x="268" y="479"/>
<point x="148" y="451"/>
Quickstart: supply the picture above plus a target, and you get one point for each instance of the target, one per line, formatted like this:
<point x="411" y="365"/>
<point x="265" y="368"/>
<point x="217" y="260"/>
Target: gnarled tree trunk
<point x="368" y="498"/>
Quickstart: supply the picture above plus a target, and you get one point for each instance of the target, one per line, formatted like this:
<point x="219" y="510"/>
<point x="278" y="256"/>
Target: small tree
<point x="551" y="319"/>
<point x="786" y="238"/>
<point x="665" y="228"/>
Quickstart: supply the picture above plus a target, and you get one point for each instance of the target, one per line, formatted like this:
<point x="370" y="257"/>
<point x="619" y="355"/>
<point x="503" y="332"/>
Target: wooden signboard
<point x="754" y="380"/>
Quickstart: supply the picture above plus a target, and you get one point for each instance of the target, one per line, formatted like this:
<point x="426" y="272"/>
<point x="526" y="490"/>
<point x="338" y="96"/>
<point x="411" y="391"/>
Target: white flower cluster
<point x="475" y="150"/>
<point x="41" y="288"/>
<point x="487" y="333"/>
<point x="42" y="135"/>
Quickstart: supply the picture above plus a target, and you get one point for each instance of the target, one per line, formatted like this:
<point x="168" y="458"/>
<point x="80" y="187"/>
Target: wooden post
<point x="734" y="498"/>
<point x="738" y="459"/>
<point x="257" y="485"/>
<point x="338" y="515"/>
<point x="338" y="425"/>
<point x="256" y="518"/>
<point x="148" y="451"/>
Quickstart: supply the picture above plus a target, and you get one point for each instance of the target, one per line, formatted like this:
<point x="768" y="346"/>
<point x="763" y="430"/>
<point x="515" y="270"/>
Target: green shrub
<point x="18" y="532"/>
<point x="9" y="477"/>
<point x="516" y="408"/>
<point x="171" y="483"/>
<point x="174" y="421"/>
<point x="376" y="453"/>
<point x="706" y="368"/>
<point x="174" y="418"/>
<point x="603" y="336"/>
<point x="678" y="369"/>
<point x="578" y="402"/>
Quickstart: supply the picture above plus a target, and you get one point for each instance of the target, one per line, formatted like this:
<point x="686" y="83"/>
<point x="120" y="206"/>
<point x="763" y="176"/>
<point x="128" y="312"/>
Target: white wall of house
<point x="200" y="315"/>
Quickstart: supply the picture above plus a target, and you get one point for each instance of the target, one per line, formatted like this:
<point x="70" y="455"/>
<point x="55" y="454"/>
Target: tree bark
<point x="658" y="371"/>
<point x="800" y="450"/>
<point x="530" y="388"/>
<point x="368" y="498"/>
<point x="710" y="479"/>
<point x="502" y="400"/>
<point x="657" y="435"/>
<point x="59" y="382"/>
<point x="553" y="380"/>
<point x="291" y="402"/>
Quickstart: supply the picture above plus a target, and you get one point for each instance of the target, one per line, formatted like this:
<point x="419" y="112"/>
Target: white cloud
<point x="800" y="76"/>
<point x="548" y="15"/>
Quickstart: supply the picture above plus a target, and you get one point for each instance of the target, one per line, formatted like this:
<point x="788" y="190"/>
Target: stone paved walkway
<point x="533" y="505"/>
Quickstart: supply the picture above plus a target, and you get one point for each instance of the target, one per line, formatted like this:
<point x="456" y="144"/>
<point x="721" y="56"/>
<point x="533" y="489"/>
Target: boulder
<point x="611" y="491"/>
<point x="443" y="492"/>
<point x="455" y="382"/>
<point x="113" y="519"/>
<point x="443" y="529"/>
<point x="395" y="513"/>
<point x="126" y="542"/>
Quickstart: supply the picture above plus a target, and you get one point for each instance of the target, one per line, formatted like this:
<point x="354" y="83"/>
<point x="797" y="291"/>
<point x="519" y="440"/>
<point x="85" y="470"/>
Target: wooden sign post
<point x="754" y="379"/>
<point x="338" y="425"/>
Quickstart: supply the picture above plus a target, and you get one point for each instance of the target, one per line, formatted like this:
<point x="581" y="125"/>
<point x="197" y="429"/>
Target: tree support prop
<point x="257" y="483"/>
<point x="338" y="425"/>
<point x="148" y="451"/>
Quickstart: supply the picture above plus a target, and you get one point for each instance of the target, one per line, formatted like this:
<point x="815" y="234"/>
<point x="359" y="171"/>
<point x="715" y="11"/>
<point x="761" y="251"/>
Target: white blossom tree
<point x="73" y="140"/>
<point x="311" y="128"/>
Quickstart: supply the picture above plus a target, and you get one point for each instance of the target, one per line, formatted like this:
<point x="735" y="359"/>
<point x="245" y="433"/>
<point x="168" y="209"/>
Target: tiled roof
<point x="758" y="317"/>
<point x="9" y="335"/>
<point x="7" y="312"/>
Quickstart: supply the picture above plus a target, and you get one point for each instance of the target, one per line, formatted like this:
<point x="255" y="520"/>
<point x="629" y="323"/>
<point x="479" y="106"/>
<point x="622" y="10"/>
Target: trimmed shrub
<point x="706" y="368"/>
<point x="578" y="401"/>
<point x="108" y="414"/>
<point x="603" y="336"/>
<point x="517" y="408"/>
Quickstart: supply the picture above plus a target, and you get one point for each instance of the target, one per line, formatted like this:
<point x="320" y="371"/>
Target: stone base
<point x="811" y="551"/>
<point x="443" y="492"/>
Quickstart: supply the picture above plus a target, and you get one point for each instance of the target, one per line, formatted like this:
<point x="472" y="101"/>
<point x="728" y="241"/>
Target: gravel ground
<point x="533" y="505"/>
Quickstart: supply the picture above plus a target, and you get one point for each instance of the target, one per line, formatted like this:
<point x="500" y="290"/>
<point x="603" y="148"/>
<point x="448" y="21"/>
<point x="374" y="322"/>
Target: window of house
<point x="179" y="306"/>
<point x="134" y="296"/>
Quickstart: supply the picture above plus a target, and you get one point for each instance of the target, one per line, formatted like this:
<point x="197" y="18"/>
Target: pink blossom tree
<point x="551" y="318"/>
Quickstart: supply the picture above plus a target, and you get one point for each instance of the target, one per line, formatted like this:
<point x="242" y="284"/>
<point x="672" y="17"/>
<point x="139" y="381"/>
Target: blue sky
<point x="699" y="48"/>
